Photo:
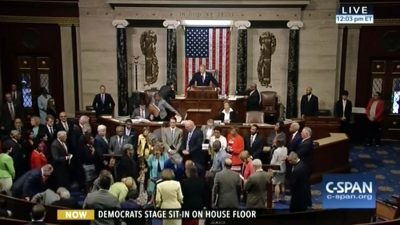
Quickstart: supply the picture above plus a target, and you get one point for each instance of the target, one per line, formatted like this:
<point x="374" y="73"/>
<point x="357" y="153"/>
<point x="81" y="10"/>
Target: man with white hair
<point x="61" y="159"/>
<point x="192" y="145"/>
<point x="65" y="199"/>
<point x="101" y="146"/>
<point x="305" y="148"/>
<point x="299" y="184"/>
<point x="295" y="138"/>
<point x="256" y="186"/>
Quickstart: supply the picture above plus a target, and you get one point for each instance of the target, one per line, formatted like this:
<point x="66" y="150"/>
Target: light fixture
<point x="207" y="23"/>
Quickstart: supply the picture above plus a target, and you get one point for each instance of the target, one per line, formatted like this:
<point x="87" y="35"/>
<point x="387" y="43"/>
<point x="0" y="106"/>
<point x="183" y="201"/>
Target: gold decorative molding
<point x="62" y="21"/>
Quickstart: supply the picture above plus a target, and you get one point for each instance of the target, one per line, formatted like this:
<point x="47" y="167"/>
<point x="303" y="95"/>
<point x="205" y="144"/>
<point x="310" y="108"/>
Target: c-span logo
<point x="348" y="191"/>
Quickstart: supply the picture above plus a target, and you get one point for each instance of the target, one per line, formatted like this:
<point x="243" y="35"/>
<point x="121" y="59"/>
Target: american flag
<point x="210" y="47"/>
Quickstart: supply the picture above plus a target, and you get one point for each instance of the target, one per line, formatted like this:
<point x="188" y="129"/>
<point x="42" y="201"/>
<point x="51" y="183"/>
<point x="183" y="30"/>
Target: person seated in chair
<point x="203" y="78"/>
<point x="145" y="111"/>
<point x="228" y="115"/>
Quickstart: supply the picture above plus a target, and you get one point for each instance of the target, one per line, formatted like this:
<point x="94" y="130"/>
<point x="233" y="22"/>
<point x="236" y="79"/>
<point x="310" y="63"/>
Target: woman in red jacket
<point x="235" y="146"/>
<point x="38" y="159"/>
<point x="374" y="112"/>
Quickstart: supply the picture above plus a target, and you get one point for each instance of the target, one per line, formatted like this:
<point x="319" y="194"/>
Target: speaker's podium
<point x="199" y="114"/>
<point x="202" y="92"/>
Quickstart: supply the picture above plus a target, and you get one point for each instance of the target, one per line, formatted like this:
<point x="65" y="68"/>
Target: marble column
<point x="241" y="69"/>
<point x="171" y="26"/>
<point x="293" y="69"/>
<point x="122" y="67"/>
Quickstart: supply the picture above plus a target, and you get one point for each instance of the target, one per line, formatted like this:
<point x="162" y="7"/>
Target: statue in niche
<point x="267" y="48"/>
<point x="148" y="41"/>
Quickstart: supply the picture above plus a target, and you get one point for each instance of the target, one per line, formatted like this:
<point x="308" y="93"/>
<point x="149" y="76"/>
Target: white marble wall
<point x="279" y="61"/>
<point x="133" y="46"/>
<point x="353" y="37"/>
<point x="67" y="70"/>
<point x="98" y="50"/>
<point x="319" y="52"/>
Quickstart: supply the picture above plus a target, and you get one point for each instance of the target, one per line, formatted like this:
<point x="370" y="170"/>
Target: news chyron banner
<point x="348" y="191"/>
<point x="354" y="14"/>
<point x="90" y="214"/>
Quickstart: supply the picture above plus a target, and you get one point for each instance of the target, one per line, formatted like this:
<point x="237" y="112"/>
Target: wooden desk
<point x="199" y="115"/>
<point x="322" y="126"/>
<point x="216" y="106"/>
<point x="331" y="156"/>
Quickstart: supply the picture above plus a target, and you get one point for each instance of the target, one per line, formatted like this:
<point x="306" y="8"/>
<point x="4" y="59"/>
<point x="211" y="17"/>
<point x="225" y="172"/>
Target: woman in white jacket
<point x="279" y="158"/>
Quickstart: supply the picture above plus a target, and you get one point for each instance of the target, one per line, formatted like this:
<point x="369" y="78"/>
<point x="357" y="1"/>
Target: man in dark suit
<point x="16" y="95"/>
<point x="226" y="189"/>
<point x="19" y="159"/>
<point x="130" y="133"/>
<point x="63" y="124"/>
<point x="309" y="104"/>
<point x="253" y="98"/>
<point x="61" y="159"/>
<point x="295" y="137"/>
<point x="51" y="131"/>
<point x="306" y="147"/>
<point x="9" y="112"/>
<point x="299" y="184"/>
<point x="167" y="92"/>
<point x="103" y="102"/>
<point x="343" y="109"/>
<point x="101" y="147"/>
<point x="254" y="142"/>
<point x="38" y="215"/>
<point x="142" y="112"/>
<point x="127" y="166"/>
<point x="202" y="78"/>
<point x="192" y="145"/>
<point x="32" y="182"/>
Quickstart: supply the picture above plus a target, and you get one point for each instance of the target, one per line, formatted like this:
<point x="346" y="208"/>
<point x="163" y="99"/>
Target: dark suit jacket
<point x="300" y="189"/>
<point x="167" y="93"/>
<point x="136" y="113"/>
<point x="253" y="101"/>
<point x="309" y="108"/>
<point x="256" y="149"/>
<point x="103" y="108"/>
<point x="294" y="142"/>
<point x="232" y="115"/>
<point x="60" y="164"/>
<point x="50" y="137"/>
<point x="195" y="191"/>
<point x="304" y="151"/>
<point x="101" y="148"/>
<point x="29" y="184"/>
<point x="347" y="110"/>
<point x="127" y="167"/>
<point x="195" y="147"/>
<point x="18" y="157"/>
<point x="198" y="79"/>
<point x="6" y="120"/>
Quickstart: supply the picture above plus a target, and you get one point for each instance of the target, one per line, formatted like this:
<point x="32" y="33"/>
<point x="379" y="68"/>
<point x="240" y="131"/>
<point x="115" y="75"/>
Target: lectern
<point x="203" y="92"/>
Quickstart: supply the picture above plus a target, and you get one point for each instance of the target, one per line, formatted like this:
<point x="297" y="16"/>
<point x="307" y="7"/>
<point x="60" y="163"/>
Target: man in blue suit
<point x="32" y="182"/>
<point x="202" y="78"/>
<point x="103" y="102"/>
<point x="192" y="145"/>
<point x="295" y="137"/>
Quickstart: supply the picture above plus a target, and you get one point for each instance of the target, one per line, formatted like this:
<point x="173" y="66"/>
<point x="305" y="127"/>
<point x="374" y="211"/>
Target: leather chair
<point x="254" y="117"/>
<point x="270" y="106"/>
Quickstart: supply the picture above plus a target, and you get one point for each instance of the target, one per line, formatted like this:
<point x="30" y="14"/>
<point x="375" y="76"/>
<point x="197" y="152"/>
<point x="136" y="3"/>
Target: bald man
<point x="227" y="187"/>
<point x="309" y="104"/>
<point x="253" y="98"/>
